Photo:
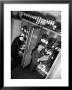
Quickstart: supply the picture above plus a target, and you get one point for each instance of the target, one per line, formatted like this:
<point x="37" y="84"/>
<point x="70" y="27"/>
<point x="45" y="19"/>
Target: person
<point x="15" y="57"/>
<point x="36" y="53"/>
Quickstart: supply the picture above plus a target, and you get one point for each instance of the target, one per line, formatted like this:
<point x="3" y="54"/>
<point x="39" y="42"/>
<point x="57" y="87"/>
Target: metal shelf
<point x="43" y="27"/>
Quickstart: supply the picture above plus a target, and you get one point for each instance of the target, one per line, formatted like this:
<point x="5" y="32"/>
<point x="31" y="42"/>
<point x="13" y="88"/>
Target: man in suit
<point x="15" y="57"/>
<point x="36" y="53"/>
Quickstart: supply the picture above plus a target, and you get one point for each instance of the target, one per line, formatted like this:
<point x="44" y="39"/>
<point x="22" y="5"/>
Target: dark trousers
<point x="15" y="62"/>
<point x="33" y="66"/>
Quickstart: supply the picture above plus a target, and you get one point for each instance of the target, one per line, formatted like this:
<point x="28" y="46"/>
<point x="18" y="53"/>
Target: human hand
<point x="44" y="58"/>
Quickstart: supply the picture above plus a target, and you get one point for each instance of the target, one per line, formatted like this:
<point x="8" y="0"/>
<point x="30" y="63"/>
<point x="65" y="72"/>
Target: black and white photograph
<point x="36" y="44"/>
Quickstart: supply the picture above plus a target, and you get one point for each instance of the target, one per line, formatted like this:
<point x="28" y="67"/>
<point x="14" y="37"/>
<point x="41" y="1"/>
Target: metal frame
<point x="2" y="2"/>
